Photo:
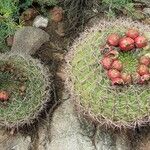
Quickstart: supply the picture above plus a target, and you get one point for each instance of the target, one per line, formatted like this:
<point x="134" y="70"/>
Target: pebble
<point x="40" y="21"/>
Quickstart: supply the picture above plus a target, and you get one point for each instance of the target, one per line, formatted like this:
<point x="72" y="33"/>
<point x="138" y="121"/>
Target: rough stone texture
<point x="40" y="21"/>
<point x="43" y="137"/>
<point x="66" y="133"/>
<point x="147" y="2"/>
<point x="17" y="142"/>
<point x="146" y="11"/>
<point x="111" y="141"/>
<point x="29" y="39"/>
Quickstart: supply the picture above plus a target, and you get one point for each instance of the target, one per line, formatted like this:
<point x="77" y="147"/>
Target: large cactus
<point x="26" y="102"/>
<point x="91" y="91"/>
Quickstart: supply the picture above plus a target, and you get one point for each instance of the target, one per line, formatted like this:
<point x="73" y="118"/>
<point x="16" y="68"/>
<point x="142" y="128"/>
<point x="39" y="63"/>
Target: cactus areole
<point x="109" y="74"/>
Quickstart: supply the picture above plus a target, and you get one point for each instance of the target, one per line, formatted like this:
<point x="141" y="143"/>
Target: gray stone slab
<point x="29" y="39"/>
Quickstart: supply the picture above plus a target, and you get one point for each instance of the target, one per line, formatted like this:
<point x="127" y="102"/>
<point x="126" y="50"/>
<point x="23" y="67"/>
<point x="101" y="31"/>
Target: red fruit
<point x="117" y="64"/>
<point x="106" y="62"/>
<point x="142" y="70"/>
<point x="145" y="77"/>
<point x="4" y="96"/>
<point x="126" y="44"/>
<point x="132" y="33"/>
<point x="113" y="54"/>
<point x="113" y="39"/>
<point x="113" y="73"/>
<point x="117" y="81"/>
<point x="126" y="78"/>
<point x="141" y="42"/>
<point x="144" y="60"/>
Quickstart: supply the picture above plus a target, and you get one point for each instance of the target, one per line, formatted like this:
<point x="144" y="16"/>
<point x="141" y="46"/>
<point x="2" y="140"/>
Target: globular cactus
<point x="28" y="83"/>
<point x="93" y="96"/>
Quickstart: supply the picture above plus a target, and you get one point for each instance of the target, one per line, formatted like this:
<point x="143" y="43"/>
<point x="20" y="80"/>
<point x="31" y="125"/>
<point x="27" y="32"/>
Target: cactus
<point x="25" y="106"/>
<point x="94" y="98"/>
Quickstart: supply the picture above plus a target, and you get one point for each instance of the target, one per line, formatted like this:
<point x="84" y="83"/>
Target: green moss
<point x="92" y="85"/>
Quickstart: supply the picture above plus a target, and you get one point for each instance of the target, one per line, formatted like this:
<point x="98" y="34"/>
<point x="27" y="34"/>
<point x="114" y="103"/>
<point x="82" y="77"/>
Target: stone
<point x="29" y="39"/>
<point x="40" y="21"/>
<point x="146" y="11"/>
<point x="64" y="122"/>
<point x="104" y="141"/>
<point x="43" y="137"/>
<point x="16" y="142"/>
<point x="66" y="133"/>
<point x="74" y="142"/>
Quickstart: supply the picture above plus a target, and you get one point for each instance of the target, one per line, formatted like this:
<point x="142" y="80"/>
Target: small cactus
<point x="95" y="98"/>
<point x="28" y="83"/>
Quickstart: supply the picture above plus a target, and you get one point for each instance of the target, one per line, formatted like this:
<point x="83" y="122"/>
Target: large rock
<point x="111" y="141"/>
<point x="17" y="142"/>
<point x="66" y="133"/>
<point x="43" y="140"/>
<point x="29" y="39"/>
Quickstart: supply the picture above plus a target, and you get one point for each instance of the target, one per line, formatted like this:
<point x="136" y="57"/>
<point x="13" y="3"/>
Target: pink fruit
<point x="142" y="70"/>
<point x="144" y="60"/>
<point x="132" y="33"/>
<point x="126" y="78"/>
<point x="4" y="96"/>
<point x="113" y="39"/>
<point x="117" y="81"/>
<point x="126" y="44"/>
<point x="141" y="42"/>
<point x="145" y="77"/>
<point x="106" y="62"/>
<point x="113" y="73"/>
<point x="117" y="64"/>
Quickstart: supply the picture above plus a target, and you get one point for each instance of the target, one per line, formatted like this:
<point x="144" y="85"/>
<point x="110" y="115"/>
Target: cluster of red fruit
<point x="114" y="66"/>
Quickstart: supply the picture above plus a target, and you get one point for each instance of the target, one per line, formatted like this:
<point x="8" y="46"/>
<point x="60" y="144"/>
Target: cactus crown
<point x="91" y="90"/>
<point x="24" y="104"/>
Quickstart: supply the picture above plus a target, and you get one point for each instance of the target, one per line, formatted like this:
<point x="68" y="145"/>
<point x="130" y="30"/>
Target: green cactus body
<point x="94" y="97"/>
<point x="23" y="109"/>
